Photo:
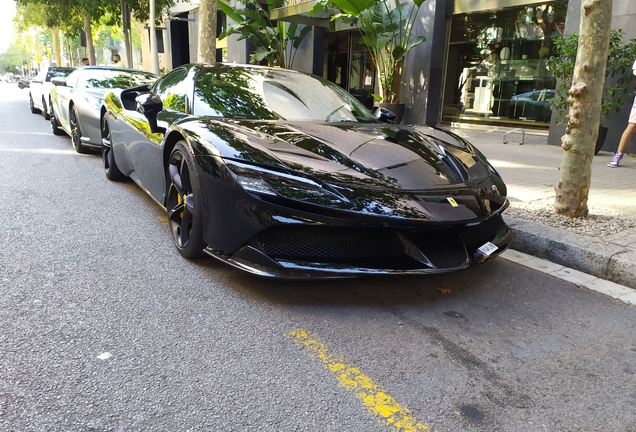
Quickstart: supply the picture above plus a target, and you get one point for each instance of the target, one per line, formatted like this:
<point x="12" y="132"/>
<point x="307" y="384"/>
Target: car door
<point x="145" y="149"/>
<point x="62" y="97"/>
<point x="36" y="88"/>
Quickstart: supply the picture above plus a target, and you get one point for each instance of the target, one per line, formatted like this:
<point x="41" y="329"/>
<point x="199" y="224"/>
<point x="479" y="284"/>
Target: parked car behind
<point x="40" y="87"/>
<point x="24" y="82"/>
<point x="534" y="105"/>
<point x="76" y="101"/>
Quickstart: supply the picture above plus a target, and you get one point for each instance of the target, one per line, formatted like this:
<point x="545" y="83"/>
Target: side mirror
<point x="150" y="105"/>
<point x="58" y="81"/>
<point x="384" y="115"/>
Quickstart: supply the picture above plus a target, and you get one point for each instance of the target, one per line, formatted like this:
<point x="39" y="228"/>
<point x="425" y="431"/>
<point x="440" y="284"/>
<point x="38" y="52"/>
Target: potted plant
<point x="386" y="29"/>
<point x="618" y="77"/>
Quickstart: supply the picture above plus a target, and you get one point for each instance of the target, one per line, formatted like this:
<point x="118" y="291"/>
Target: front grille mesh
<point x="321" y="242"/>
<point x="445" y="246"/>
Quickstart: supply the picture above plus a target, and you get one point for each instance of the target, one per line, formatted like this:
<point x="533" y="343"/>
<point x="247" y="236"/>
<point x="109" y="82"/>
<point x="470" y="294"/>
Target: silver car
<point x="77" y="99"/>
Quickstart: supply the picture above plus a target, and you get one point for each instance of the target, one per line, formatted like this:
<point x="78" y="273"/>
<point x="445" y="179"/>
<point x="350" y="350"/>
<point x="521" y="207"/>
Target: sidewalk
<point x="531" y="171"/>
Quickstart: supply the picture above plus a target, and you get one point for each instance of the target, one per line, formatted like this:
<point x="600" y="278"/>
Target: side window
<point x="71" y="80"/>
<point x="174" y="90"/>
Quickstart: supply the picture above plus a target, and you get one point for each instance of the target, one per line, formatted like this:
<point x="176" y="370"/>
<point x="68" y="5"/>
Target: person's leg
<point x="626" y="138"/>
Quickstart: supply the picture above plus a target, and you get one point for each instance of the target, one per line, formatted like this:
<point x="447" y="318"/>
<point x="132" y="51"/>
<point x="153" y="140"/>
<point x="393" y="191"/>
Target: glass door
<point x="349" y="65"/>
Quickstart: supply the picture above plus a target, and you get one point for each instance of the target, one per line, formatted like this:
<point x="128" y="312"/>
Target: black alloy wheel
<point x="34" y="110"/>
<point x="108" y="158"/>
<point x="183" y="203"/>
<point x="76" y="131"/>
<point x="55" y="126"/>
<point x="45" y="110"/>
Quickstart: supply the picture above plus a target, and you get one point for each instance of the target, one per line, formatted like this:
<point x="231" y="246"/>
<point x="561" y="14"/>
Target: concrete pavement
<point x="531" y="172"/>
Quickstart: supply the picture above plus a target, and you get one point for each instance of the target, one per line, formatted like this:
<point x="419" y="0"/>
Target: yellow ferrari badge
<point x="452" y="201"/>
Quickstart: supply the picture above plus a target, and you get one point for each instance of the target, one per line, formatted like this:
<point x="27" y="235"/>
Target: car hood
<point x="389" y="170"/>
<point x="371" y="155"/>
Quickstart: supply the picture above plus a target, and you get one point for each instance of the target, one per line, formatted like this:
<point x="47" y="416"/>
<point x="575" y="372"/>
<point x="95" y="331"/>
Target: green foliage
<point x="386" y="28"/>
<point x="274" y="42"/>
<point x="12" y="60"/>
<point x="618" y="74"/>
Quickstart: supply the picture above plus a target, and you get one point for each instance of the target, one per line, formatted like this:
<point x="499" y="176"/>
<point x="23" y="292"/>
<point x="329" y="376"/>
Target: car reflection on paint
<point x="280" y="173"/>
<point x="534" y="105"/>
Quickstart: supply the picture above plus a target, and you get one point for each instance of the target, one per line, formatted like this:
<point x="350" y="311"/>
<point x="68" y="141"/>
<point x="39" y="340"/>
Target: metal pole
<point x="154" y="55"/>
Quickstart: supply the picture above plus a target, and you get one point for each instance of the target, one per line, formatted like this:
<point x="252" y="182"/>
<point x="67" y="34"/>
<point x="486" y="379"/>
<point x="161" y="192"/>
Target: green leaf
<point x="229" y="11"/>
<point x="353" y="7"/>
<point x="299" y="39"/>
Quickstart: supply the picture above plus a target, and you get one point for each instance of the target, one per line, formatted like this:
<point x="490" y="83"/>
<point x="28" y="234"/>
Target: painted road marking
<point x="375" y="399"/>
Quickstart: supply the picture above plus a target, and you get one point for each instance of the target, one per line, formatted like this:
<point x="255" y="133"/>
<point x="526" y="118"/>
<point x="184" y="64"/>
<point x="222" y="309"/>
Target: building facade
<point x="484" y="62"/>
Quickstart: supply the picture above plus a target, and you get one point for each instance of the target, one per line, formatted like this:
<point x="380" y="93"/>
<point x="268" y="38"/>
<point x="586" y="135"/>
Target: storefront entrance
<point x="496" y="70"/>
<point x="349" y="65"/>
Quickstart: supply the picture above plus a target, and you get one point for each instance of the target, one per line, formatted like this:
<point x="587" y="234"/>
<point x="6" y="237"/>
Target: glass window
<point x="254" y="93"/>
<point x="58" y="72"/>
<point x="496" y="70"/>
<point x="349" y="65"/>
<point x="174" y="90"/>
<point x="112" y="78"/>
<point x="71" y="79"/>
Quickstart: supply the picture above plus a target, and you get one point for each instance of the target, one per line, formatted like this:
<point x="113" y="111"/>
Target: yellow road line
<point x="375" y="399"/>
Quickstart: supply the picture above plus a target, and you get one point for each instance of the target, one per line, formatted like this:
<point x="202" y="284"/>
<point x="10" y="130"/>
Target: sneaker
<point x="615" y="160"/>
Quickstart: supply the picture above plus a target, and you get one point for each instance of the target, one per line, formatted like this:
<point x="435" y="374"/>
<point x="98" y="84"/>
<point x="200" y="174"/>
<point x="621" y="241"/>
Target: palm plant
<point x="275" y="42"/>
<point x="386" y="28"/>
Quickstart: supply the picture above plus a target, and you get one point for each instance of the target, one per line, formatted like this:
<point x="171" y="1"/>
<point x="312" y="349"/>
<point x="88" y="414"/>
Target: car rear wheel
<point x="34" y="110"/>
<point x="45" y="110"/>
<point x="76" y="131"/>
<point x="55" y="126"/>
<point x="108" y="158"/>
<point x="183" y="203"/>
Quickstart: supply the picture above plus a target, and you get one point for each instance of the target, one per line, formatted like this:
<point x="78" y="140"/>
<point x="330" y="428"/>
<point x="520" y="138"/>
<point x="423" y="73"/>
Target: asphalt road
<point x="103" y="326"/>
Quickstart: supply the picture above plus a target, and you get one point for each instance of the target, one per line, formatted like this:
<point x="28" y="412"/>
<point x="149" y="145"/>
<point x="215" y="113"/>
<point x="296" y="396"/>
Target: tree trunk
<point x="207" y="31"/>
<point x="68" y="50"/>
<point x="89" y="39"/>
<point x="125" y="18"/>
<point x="585" y="107"/>
<point x="57" y="49"/>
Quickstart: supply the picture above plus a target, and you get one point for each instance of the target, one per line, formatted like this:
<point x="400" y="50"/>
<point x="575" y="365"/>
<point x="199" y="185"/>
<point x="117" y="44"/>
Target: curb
<point x="589" y="255"/>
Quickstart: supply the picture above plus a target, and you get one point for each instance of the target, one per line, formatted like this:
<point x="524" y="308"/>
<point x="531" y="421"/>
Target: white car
<point x="40" y="87"/>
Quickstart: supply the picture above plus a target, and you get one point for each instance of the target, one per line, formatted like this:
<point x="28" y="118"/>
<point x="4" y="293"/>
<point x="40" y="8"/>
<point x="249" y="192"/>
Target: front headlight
<point x="263" y="181"/>
<point x="251" y="184"/>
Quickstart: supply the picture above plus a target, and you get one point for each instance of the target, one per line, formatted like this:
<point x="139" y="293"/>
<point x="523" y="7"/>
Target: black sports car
<point x="281" y="173"/>
<point x="76" y="100"/>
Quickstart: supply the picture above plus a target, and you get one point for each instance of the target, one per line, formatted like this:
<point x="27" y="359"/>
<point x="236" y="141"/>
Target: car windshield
<point x="56" y="72"/>
<point x="253" y="93"/>
<point x="113" y="78"/>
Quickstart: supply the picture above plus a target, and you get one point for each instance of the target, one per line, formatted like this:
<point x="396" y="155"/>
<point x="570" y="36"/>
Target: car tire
<point x="108" y="157"/>
<point x="34" y="110"/>
<point x="184" y="202"/>
<point x="76" y="131"/>
<point x="55" y="126"/>
<point x="45" y="110"/>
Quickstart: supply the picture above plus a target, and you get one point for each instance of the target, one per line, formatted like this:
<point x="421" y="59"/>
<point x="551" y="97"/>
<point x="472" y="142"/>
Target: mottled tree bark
<point x="88" y="28"/>
<point x="207" y="31"/>
<point x="585" y="108"/>
<point x="69" y="53"/>
<point x="57" y="48"/>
